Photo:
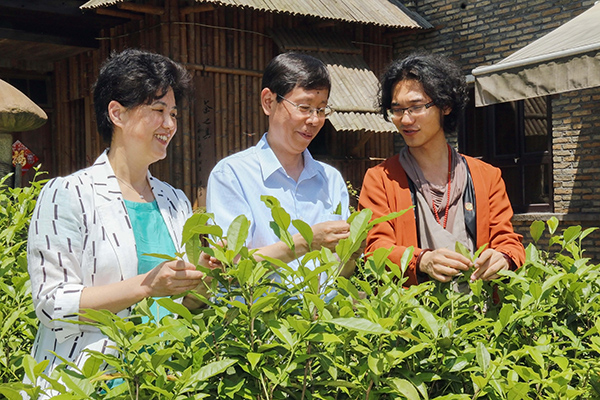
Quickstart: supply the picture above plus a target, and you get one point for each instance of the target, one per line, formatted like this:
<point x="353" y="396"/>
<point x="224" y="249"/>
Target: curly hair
<point x="135" y="77"/>
<point x="442" y="79"/>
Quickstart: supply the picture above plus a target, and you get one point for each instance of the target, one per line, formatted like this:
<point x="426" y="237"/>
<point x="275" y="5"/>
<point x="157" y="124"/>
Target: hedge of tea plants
<point x="312" y="334"/>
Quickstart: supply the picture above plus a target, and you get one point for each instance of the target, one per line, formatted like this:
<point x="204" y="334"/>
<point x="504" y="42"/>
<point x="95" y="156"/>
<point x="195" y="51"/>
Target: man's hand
<point x="488" y="264"/>
<point x="443" y="264"/>
<point x="329" y="233"/>
<point x="209" y="261"/>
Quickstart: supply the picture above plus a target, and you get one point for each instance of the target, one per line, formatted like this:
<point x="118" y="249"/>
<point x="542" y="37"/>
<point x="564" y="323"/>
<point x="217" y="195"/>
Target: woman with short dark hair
<point x="91" y="231"/>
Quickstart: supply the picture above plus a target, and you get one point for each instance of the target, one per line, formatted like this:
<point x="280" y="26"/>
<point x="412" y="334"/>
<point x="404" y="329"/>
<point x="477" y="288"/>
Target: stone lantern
<point x="17" y="114"/>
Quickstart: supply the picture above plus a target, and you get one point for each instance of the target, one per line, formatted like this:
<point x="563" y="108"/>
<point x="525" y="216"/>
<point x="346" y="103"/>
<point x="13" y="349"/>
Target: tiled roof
<point x="100" y="3"/>
<point x="368" y="122"/>
<point x="390" y="13"/>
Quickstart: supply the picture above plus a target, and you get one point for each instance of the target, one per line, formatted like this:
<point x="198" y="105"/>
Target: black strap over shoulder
<point x="413" y="198"/>
<point x="470" y="207"/>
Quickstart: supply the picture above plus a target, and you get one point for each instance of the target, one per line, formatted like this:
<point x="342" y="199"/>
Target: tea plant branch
<point x="306" y="369"/>
<point x="487" y="377"/>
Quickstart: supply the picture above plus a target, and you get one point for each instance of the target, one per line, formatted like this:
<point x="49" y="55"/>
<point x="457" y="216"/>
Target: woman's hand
<point x="171" y="278"/>
<point x="191" y="301"/>
<point x="443" y="264"/>
<point x="167" y="279"/>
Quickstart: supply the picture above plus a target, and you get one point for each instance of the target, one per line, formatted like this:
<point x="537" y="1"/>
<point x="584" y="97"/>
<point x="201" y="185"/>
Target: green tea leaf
<point x="406" y="259"/>
<point x="376" y="363"/>
<point x="359" y="223"/>
<point x="586" y="232"/>
<point x="483" y="357"/>
<point x="526" y="373"/>
<point x="552" y="281"/>
<point x="505" y="313"/>
<point x="282" y="333"/>
<point x="237" y="233"/>
<point x="480" y="250"/>
<point x="536" y="290"/>
<point x="571" y="233"/>
<point x="338" y="209"/>
<point x="428" y="321"/>
<point x="360" y="325"/>
<point x="462" y="249"/>
<point x="175" y="308"/>
<point x="212" y="369"/>
<point x="197" y="224"/>
<point x="536" y="230"/>
<point x="536" y="356"/>
<point x="261" y="303"/>
<point x="161" y="256"/>
<point x="10" y="393"/>
<point x="305" y="230"/>
<point x="270" y="201"/>
<point x="552" y="224"/>
<point x="405" y="388"/>
<point x="253" y="359"/>
<point x="316" y="300"/>
<point x="244" y="271"/>
<point x="193" y="249"/>
<point x="531" y="253"/>
<point x="387" y="217"/>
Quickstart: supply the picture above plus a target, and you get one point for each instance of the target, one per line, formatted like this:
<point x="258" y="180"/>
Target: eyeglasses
<point x="397" y="112"/>
<point x="307" y="110"/>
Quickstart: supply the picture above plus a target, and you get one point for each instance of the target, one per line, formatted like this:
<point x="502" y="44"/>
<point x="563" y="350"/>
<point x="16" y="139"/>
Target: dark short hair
<point x="442" y="80"/>
<point x="135" y="77"/>
<point x="289" y="70"/>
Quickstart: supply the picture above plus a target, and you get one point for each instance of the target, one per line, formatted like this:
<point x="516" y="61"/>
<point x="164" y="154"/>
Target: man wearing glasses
<point x="294" y="97"/>
<point x="457" y="198"/>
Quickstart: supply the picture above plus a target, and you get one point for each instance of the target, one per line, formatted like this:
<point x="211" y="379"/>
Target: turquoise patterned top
<point x="151" y="236"/>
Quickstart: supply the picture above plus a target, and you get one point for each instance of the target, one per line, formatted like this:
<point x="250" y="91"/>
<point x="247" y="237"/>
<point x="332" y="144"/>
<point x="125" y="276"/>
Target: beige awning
<point x="568" y="58"/>
<point x="391" y="13"/>
<point x="354" y="86"/>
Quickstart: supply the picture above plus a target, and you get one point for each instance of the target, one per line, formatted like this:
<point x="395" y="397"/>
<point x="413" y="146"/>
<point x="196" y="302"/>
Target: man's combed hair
<point x="289" y="70"/>
<point x="135" y="77"/>
<point x="442" y="80"/>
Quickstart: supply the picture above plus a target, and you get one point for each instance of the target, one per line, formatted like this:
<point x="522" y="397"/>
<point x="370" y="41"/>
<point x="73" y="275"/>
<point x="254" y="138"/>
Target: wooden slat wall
<point x="227" y="116"/>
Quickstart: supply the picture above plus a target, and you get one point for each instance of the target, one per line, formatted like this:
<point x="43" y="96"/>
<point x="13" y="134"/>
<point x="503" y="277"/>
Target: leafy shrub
<point x="533" y="334"/>
<point x="19" y="323"/>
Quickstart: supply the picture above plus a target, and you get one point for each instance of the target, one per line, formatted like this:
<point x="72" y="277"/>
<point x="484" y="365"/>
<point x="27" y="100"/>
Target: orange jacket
<point x="385" y="189"/>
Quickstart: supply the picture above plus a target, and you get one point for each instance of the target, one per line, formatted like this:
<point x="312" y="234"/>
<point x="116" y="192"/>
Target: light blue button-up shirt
<point x="238" y="181"/>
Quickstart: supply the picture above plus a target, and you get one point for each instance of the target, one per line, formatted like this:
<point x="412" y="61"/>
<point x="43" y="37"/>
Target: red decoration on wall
<point x="22" y="155"/>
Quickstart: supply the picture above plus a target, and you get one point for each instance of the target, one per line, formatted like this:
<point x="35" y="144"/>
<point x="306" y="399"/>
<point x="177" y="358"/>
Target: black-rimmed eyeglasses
<point x="398" y="112"/>
<point x="307" y="110"/>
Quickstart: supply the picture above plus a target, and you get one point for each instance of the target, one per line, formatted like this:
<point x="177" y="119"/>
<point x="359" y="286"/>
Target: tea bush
<point x="533" y="334"/>
<point x="19" y="323"/>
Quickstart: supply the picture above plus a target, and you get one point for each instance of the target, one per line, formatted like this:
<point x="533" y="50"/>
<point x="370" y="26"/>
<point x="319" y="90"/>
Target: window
<point x="35" y="89"/>
<point x="515" y="137"/>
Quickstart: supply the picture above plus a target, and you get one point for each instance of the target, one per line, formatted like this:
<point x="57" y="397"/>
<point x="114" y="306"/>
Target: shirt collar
<point x="269" y="163"/>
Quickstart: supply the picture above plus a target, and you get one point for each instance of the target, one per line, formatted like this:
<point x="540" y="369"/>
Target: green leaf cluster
<point x="272" y="332"/>
<point x="18" y="324"/>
